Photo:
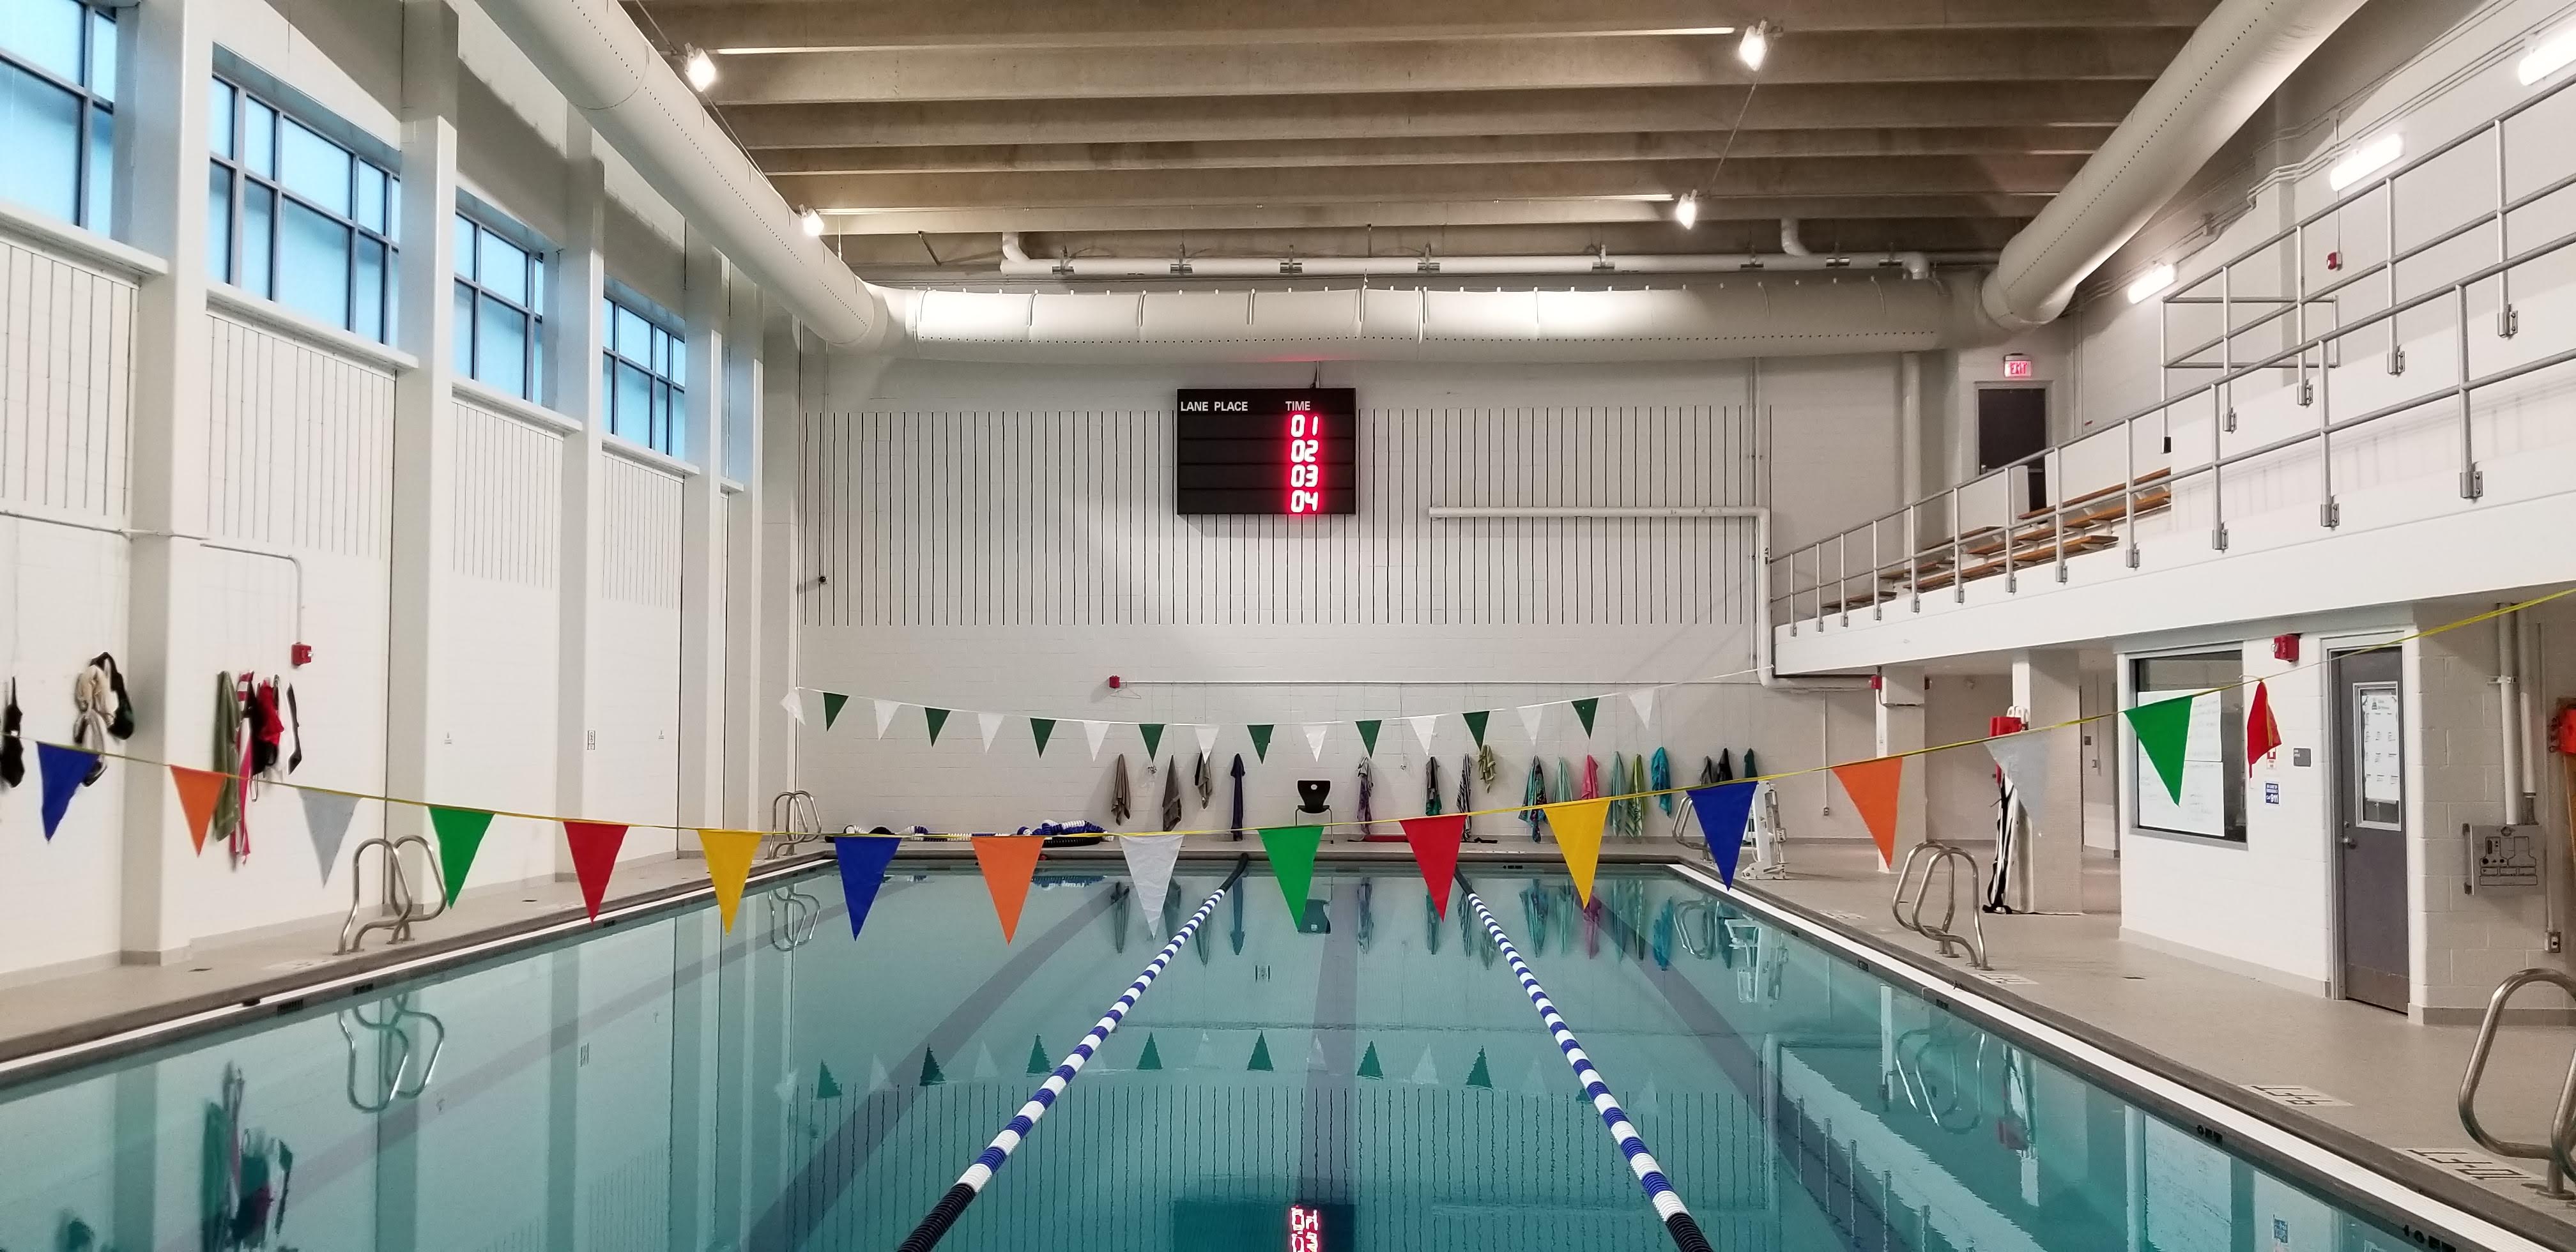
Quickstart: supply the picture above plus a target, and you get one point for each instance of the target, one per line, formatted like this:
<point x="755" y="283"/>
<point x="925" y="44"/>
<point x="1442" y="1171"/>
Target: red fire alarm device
<point x="301" y="654"/>
<point x="1115" y="682"/>
<point x="2285" y="648"/>
<point x="2334" y="260"/>
<point x="2005" y="725"/>
<point x="2563" y="737"/>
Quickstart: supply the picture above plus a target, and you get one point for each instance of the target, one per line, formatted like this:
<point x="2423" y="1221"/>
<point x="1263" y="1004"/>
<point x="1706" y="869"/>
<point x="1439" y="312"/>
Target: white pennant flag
<point x="1207" y="737"/>
<point x="1315" y="732"/>
<point x="2024" y="761"/>
<point x="991" y="725"/>
<point x="326" y="819"/>
<point x="886" y="709"/>
<point x="1532" y="715"/>
<point x="1149" y="863"/>
<point x="794" y="703"/>
<point x="1422" y="727"/>
<point x="1095" y="732"/>
<point x="1645" y="702"/>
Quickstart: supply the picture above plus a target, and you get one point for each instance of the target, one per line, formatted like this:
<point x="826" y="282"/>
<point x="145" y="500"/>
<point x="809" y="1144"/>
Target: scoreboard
<point x="1269" y="450"/>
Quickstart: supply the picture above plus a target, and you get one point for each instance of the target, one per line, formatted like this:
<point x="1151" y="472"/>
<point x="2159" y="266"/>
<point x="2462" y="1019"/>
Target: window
<point x="2213" y="755"/>
<point x="499" y="332"/>
<point x="58" y="108"/>
<point x="298" y="218"/>
<point x="640" y="374"/>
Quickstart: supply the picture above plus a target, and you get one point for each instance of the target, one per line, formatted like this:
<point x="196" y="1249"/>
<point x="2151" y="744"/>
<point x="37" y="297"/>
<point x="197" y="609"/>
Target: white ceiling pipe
<point x="1914" y="264"/>
<point x="1011" y="249"/>
<point x="1789" y="240"/>
<point x="605" y="67"/>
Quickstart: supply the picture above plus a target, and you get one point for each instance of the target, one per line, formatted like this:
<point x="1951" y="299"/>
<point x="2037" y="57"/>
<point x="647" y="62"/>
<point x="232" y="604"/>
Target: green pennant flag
<point x="1584" y="709"/>
<point x="1368" y="737"/>
<point x="460" y="836"/>
<point x="1368" y="1064"/>
<point x="1480" y="1076"/>
<point x="1476" y="725"/>
<point x="1153" y="732"/>
<point x="937" y="718"/>
<point x="1292" y="861"/>
<point x="1260" y="742"/>
<point x="1038" y="1062"/>
<point x="930" y="1074"/>
<point x="2162" y="729"/>
<point x="1260" y="1053"/>
<point x="1153" y="1057"/>
<point x="1041" y="729"/>
<point x="825" y="1086"/>
<point x="833" y="702"/>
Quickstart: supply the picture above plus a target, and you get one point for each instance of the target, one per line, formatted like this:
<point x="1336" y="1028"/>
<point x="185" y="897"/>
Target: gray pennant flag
<point x="2024" y="760"/>
<point x="326" y="818"/>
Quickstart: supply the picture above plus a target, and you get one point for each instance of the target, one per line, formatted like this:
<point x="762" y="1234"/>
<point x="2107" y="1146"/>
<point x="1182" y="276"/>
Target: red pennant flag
<point x="1008" y="862"/>
<point x="1435" y="843"/>
<point x="2262" y="730"/>
<point x="198" y="789"/>
<point x="594" y="858"/>
<point x="1872" y="787"/>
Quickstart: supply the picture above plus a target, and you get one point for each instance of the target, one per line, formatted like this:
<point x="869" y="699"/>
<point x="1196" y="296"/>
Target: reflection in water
<point x="661" y="1085"/>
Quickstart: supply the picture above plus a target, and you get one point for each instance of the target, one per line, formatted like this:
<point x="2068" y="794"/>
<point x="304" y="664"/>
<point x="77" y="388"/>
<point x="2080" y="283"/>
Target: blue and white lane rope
<point x="998" y="1153"/>
<point x="1650" y="1176"/>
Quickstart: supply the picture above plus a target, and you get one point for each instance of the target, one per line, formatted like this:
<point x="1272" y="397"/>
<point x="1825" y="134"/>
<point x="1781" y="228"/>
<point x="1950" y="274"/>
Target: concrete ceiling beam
<point x="1417" y="214"/>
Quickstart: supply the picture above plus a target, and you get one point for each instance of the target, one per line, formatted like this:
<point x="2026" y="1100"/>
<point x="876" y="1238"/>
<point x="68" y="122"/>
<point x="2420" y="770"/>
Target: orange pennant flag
<point x="729" y="854"/>
<point x="1577" y="824"/>
<point x="198" y="791"/>
<point x="1008" y="861"/>
<point x="1872" y="787"/>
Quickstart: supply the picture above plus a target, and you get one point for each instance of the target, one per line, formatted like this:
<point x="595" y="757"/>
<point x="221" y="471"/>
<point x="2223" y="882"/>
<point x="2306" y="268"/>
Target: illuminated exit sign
<point x="2017" y="366"/>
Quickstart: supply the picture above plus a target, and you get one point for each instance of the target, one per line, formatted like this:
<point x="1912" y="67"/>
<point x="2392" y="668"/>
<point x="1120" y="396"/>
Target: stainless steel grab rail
<point x="1973" y="944"/>
<point x="394" y="1053"/>
<point x="2562" y="1127"/>
<point x="792" y="814"/>
<point x="400" y="901"/>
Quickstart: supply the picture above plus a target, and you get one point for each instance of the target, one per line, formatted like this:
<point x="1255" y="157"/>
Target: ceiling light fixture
<point x="2151" y="284"/>
<point x="700" y="69"/>
<point x="1686" y="210"/>
<point x="812" y="221"/>
<point x="2366" y="160"/>
<point x="1755" y="46"/>
<point x="2547" y="59"/>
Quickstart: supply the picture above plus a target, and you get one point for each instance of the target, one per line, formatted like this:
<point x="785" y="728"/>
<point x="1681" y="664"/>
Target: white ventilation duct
<point x="1599" y="264"/>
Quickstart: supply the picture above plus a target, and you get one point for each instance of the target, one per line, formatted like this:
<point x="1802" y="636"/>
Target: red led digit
<point x="1305" y="463"/>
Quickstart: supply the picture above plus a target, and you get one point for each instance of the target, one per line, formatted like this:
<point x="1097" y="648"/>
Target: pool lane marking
<point x="1650" y="1176"/>
<point x="1015" y="1132"/>
<point x="2290" y="1144"/>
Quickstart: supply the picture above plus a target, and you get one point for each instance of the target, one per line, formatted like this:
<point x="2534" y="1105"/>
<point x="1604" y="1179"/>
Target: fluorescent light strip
<point x="2553" y="55"/>
<point x="2366" y="160"/>
<point x="2151" y="284"/>
<point x="2324" y="1161"/>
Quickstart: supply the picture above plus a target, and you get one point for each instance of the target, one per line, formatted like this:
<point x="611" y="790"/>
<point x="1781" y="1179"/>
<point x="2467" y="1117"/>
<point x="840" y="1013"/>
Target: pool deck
<point x="2394" y="1082"/>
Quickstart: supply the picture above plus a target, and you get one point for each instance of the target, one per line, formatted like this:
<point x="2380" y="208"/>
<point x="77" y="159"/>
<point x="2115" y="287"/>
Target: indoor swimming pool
<point x="1368" y="1067"/>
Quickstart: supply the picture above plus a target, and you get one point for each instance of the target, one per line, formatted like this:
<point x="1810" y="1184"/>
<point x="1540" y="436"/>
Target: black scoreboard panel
<point x="1275" y="450"/>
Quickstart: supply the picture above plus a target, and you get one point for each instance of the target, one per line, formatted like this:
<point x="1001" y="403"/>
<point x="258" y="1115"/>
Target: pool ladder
<point x="2562" y="1127"/>
<point x="395" y="1051"/>
<point x="1912" y="893"/>
<point x="793" y="823"/>
<point x="400" y="901"/>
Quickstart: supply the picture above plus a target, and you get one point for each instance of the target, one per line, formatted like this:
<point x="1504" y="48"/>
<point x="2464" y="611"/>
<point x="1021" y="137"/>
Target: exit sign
<point x="2017" y="366"/>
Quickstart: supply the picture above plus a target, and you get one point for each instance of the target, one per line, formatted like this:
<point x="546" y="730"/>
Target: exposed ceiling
<point x="1148" y="128"/>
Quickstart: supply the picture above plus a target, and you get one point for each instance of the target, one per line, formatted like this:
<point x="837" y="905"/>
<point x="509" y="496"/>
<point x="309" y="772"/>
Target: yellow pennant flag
<point x="729" y="854"/>
<point x="1577" y="824"/>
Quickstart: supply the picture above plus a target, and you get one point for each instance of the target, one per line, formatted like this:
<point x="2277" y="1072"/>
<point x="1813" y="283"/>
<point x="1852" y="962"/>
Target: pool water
<point x="661" y="1085"/>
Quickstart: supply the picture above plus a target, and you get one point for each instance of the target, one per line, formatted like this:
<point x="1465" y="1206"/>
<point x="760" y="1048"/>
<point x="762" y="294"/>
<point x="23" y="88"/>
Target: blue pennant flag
<point x="1722" y="811"/>
<point x="863" y="861"/>
<point x="62" y="771"/>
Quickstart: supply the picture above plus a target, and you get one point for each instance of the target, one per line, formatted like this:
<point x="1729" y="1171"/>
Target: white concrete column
<point x="2048" y="688"/>
<point x="161" y="139"/>
<point x="702" y="570"/>
<point x="782" y="578"/>
<point x="1898" y="705"/>
<point x="578" y="278"/>
<point x="424" y="404"/>
<point x="746" y="598"/>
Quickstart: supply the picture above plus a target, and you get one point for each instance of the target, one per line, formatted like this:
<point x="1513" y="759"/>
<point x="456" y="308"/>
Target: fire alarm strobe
<point x="1115" y="682"/>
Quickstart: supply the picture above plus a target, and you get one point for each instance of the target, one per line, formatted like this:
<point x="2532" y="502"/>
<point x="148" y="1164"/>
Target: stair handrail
<point x="2562" y="1127"/>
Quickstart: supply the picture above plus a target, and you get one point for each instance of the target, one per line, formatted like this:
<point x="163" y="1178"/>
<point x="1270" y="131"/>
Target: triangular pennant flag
<point x="825" y="1087"/>
<point x="1368" y="1064"/>
<point x="1315" y="1052"/>
<point x="1152" y="732"/>
<point x="2163" y="728"/>
<point x="990" y="724"/>
<point x="1039" y="1062"/>
<point x="1041" y="729"/>
<point x="1532" y="716"/>
<point x="833" y="702"/>
<point x="1206" y="736"/>
<point x="1426" y="1073"/>
<point x="2024" y="760"/>
<point x="1260" y="742"/>
<point x="1315" y="732"/>
<point x="863" y="862"/>
<point x="1149" y="864"/>
<point x="1435" y="848"/>
<point x="594" y="857"/>
<point x="326" y="820"/>
<point x="930" y="1073"/>
<point x="984" y="1066"/>
<point x="1644" y="700"/>
<point x="460" y="835"/>
<point x="934" y="718"/>
<point x="1152" y="1057"/>
<point x="1584" y="709"/>
<point x="1260" y="1053"/>
<point x="878" y="1080"/>
<point x="1368" y="737"/>
<point x="794" y="703"/>
<point x="886" y="709"/>
<point x="60" y="772"/>
<point x="2262" y="730"/>
<point x="1008" y="862"/>
<point x="729" y="854"/>
<point x="1094" y="733"/>
<point x="1423" y="727"/>
<point x="1291" y="850"/>
<point x="1872" y="786"/>
<point x="1479" y="1075"/>
<point x="1577" y="824"/>
<point x="1476" y="724"/>
<point x="1722" y="811"/>
<point x="198" y="790"/>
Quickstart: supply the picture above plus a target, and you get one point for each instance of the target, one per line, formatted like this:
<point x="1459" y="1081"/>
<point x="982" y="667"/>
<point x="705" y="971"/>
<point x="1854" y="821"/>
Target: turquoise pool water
<point x="658" y="1085"/>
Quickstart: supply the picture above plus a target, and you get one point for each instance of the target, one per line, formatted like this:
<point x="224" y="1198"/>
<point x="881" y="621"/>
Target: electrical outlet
<point x="2557" y="942"/>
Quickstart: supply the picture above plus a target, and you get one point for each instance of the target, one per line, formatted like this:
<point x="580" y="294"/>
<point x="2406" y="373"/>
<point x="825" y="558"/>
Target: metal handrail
<point x="390" y="1035"/>
<point x="404" y="906"/>
<point x="793" y="813"/>
<point x="1973" y="945"/>
<point x="2562" y="1127"/>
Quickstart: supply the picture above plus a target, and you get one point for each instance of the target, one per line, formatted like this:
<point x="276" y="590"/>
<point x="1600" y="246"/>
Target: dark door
<point x="2370" y="828"/>
<point x="2012" y="423"/>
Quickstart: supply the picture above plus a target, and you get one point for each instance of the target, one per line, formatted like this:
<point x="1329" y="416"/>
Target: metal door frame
<point x="2336" y="727"/>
